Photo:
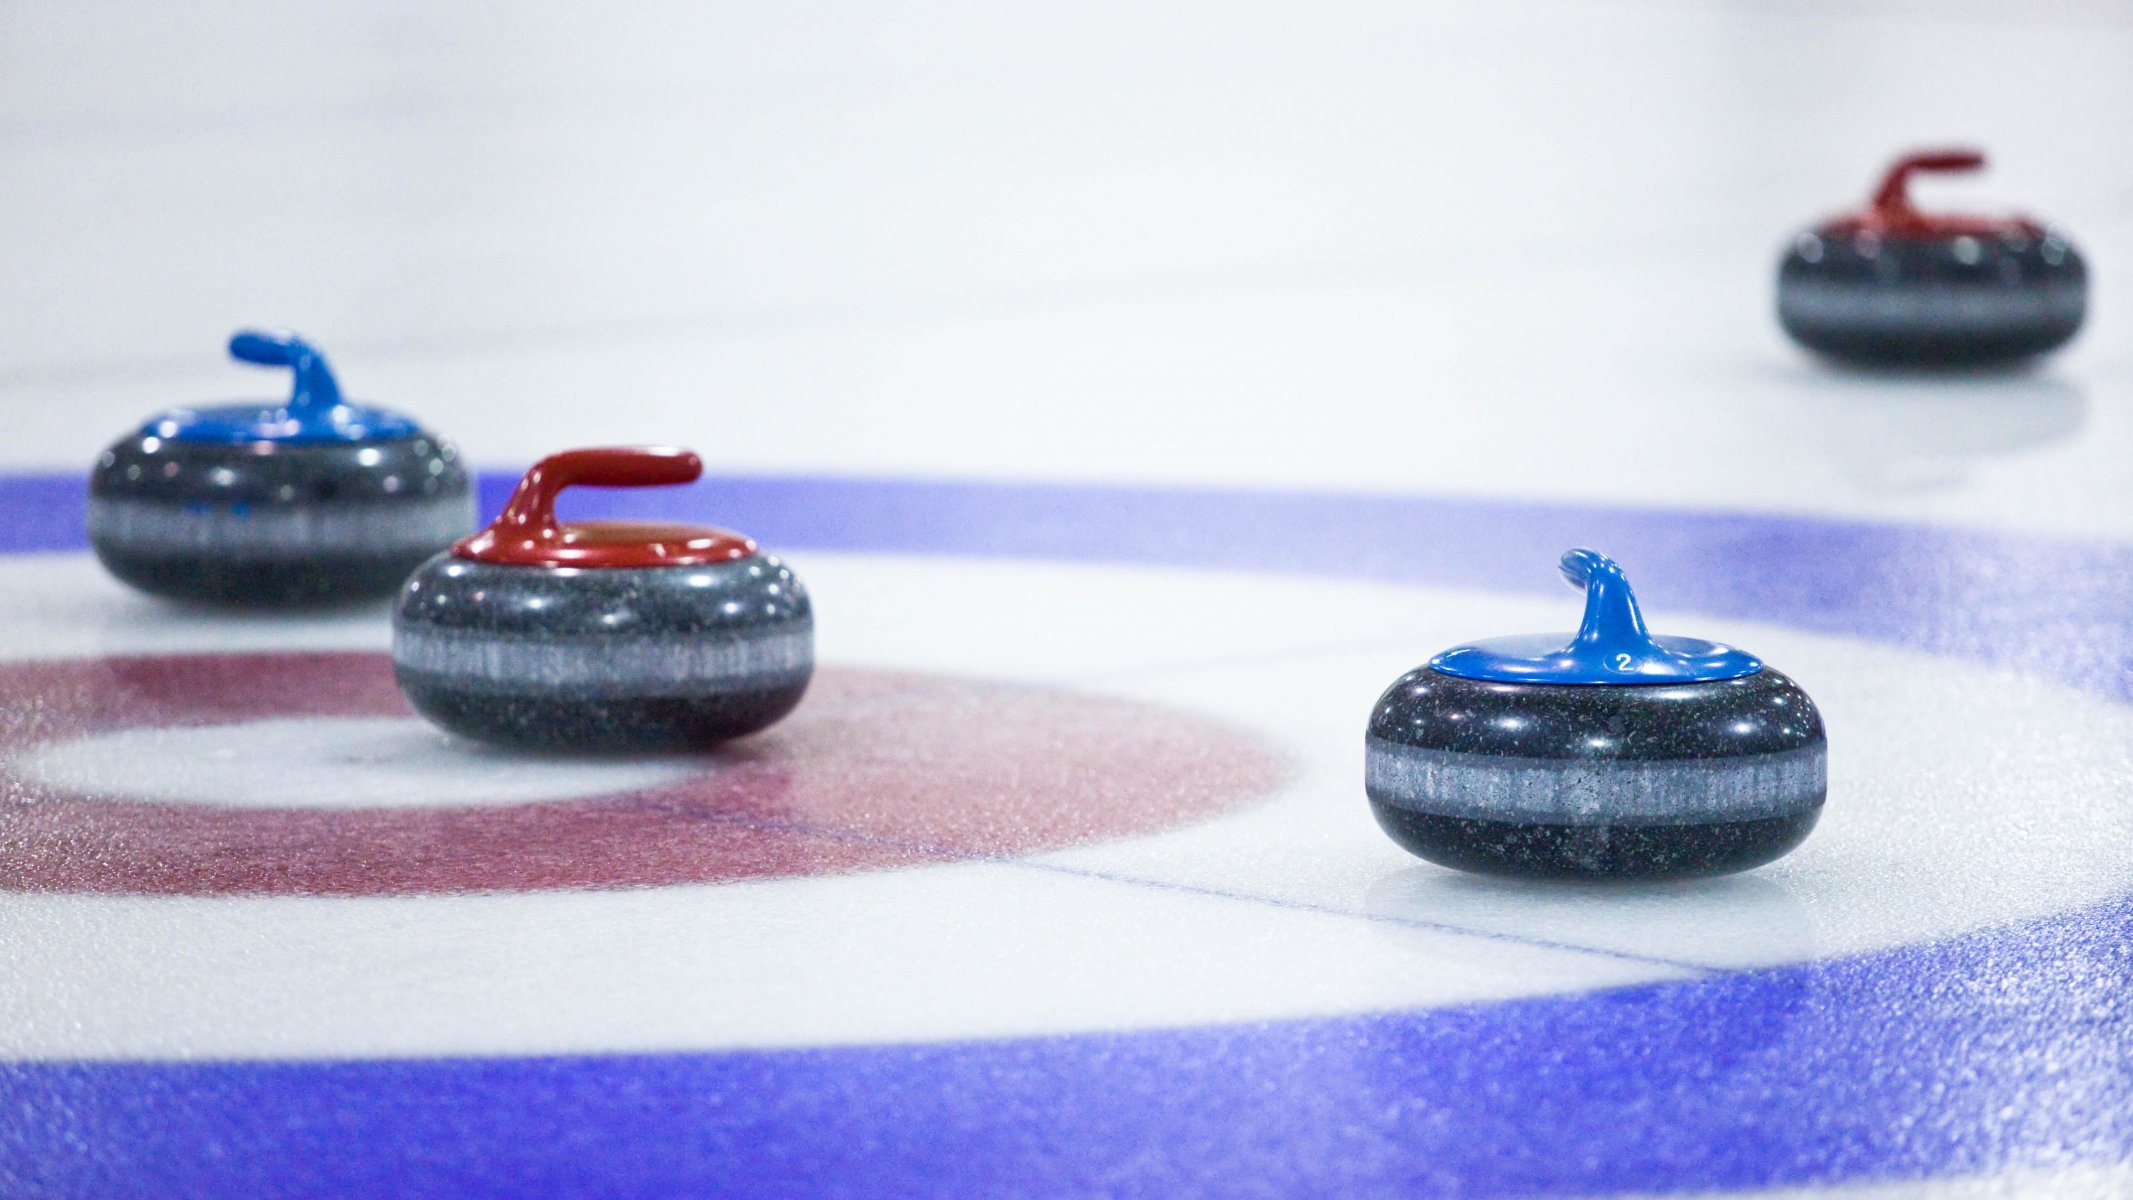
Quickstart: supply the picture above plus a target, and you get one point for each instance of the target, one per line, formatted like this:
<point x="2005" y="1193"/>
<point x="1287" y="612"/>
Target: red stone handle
<point x="1893" y="197"/>
<point x="530" y="516"/>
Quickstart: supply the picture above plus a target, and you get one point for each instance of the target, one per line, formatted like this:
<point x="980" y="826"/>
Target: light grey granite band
<point x="1583" y="792"/>
<point x="148" y="527"/>
<point x="1955" y="308"/>
<point x="653" y="666"/>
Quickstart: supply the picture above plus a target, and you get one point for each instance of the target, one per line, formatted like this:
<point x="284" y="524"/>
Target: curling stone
<point x="603" y="635"/>
<point x="1610" y="753"/>
<point x="1893" y="286"/>
<point x="316" y="500"/>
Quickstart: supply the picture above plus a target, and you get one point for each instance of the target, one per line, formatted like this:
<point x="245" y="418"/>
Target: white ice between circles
<point x="323" y="763"/>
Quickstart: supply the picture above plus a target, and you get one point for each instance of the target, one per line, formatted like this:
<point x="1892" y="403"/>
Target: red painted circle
<point x="876" y="769"/>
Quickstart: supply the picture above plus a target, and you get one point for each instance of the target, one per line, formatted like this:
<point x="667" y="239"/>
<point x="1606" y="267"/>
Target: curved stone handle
<point x="530" y="516"/>
<point x="1894" y="194"/>
<point x="315" y="391"/>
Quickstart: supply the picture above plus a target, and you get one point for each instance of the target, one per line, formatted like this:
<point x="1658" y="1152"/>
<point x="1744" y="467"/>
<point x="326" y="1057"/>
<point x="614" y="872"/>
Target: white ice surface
<point x="1386" y="246"/>
<point x="1347" y="244"/>
<point x="1961" y="798"/>
<point x="322" y="762"/>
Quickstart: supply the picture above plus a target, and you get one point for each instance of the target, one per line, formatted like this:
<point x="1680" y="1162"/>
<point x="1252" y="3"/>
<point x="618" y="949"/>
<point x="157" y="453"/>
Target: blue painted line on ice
<point x="2055" y="606"/>
<point x="2008" y="1048"/>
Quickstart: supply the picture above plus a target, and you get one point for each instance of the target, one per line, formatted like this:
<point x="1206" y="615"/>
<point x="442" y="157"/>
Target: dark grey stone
<point x="272" y="524"/>
<point x="1628" y="852"/>
<point x="1640" y="781"/>
<point x="1941" y="301"/>
<point x="632" y="658"/>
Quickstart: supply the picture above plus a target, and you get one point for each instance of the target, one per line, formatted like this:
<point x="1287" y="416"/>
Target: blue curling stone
<point x="311" y="500"/>
<point x="1607" y="753"/>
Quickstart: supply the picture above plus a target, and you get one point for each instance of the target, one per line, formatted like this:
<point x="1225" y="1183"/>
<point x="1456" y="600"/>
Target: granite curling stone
<point x="312" y="501"/>
<point x="603" y="635"/>
<point x="1610" y="753"/>
<point x="1893" y="286"/>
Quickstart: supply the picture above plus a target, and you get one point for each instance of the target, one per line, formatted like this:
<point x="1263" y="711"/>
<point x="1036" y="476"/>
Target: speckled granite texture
<point x="1939" y="301"/>
<point x="275" y="524"/>
<point x="611" y="658"/>
<point x="1596" y="780"/>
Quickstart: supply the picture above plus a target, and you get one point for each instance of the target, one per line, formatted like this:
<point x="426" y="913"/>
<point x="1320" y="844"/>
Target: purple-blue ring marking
<point x="2055" y="606"/>
<point x="2004" y="1048"/>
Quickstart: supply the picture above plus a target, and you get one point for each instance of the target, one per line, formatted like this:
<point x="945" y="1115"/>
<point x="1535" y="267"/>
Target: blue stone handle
<point x="1611" y="646"/>
<point x="1612" y="637"/>
<point x="315" y="392"/>
<point x="314" y="413"/>
<point x="1578" y="566"/>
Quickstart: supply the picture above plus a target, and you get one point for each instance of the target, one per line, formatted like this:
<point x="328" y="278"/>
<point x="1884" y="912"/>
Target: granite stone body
<point x="1970" y="298"/>
<point x="275" y="523"/>
<point x="1631" y="781"/>
<point x="604" y="658"/>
